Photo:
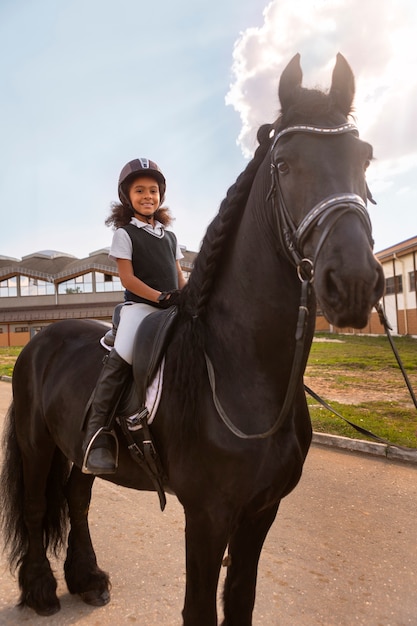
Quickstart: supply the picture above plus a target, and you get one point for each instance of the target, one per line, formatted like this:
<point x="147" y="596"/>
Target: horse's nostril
<point x="379" y="283"/>
<point x="333" y="288"/>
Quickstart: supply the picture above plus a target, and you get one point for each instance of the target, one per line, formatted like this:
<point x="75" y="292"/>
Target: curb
<point x="390" y="452"/>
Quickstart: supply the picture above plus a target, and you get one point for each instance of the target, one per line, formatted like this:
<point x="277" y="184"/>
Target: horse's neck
<point x="255" y="300"/>
<point x="252" y="317"/>
<point x="251" y="331"/>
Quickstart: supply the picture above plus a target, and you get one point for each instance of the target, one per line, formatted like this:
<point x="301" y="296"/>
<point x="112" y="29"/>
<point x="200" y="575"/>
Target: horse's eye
<point x="282" y="167"/>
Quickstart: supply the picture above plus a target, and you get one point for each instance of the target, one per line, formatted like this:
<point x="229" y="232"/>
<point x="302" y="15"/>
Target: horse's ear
<point x="290" y="80"/>
<point x="342" y="90"/>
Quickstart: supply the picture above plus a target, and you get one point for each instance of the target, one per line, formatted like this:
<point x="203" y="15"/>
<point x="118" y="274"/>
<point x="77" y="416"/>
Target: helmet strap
<point x="148" y="218"/>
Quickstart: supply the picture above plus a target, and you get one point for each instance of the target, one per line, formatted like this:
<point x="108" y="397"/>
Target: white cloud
<point x="378" y="39"/>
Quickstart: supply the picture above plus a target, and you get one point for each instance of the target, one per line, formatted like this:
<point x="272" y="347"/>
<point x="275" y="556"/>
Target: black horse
<point x="232" y="428"/>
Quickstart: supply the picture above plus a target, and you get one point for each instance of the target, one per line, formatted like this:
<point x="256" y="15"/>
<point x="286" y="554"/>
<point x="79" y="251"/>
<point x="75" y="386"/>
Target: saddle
<point x="151" y="340"/>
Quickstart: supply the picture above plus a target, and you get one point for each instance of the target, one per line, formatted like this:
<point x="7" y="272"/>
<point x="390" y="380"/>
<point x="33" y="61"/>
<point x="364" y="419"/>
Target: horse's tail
<point x="12" y="524"/>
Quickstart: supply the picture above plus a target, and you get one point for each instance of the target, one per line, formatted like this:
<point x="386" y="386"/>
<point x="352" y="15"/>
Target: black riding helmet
<point x="135" y="168"/>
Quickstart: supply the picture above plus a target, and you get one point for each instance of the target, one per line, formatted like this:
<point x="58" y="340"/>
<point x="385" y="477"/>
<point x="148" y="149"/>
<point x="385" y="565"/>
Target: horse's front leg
<point x="245" y="547"/>
<point x="82" y="573"/>
<point x="206" y="540"/>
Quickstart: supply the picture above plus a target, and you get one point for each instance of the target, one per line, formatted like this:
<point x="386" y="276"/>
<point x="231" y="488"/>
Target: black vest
<point x="153" y="260"/>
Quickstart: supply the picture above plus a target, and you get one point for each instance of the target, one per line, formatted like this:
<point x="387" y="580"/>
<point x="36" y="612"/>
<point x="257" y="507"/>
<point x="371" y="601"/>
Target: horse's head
<point x="318" y="166"/>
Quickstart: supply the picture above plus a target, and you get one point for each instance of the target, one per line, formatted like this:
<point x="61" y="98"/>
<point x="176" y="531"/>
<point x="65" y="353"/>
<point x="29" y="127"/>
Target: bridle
<point x="293" y="238"/>
<point x="326" y="213"/>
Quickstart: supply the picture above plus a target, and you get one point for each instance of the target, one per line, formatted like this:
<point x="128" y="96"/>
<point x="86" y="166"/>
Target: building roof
<point x="400" y="249"/>
<point x="55" y="267"/>
<point x="189" y="257"/>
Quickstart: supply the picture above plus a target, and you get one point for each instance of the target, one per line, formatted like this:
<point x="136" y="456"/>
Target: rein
<point x="296" y="370"/>
<point x="294" y="237"/>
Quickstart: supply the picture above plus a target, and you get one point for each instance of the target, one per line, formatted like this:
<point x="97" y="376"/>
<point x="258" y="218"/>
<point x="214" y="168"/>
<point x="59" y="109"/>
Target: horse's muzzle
<point x="347" y="292"/>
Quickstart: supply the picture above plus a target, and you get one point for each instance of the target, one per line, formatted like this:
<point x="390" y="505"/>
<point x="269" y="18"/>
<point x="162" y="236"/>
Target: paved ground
<point x="342" y="551"/>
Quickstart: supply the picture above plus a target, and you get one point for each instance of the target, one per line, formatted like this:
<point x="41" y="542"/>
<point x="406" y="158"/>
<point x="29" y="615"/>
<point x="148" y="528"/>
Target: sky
<point x="87" y="85"/>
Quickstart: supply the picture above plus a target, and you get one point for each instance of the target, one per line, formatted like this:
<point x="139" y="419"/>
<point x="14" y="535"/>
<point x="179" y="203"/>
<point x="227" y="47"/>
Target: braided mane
<point x="209" y="260"/>
<point x="186" y="377"/>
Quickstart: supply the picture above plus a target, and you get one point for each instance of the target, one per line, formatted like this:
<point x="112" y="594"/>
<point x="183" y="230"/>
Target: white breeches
<point x="131" y="315"/>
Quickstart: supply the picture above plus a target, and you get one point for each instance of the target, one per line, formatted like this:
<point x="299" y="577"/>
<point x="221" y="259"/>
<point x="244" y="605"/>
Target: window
<point x="79" y="284"/>
<point x="21" y="329"/>
<point x="35" y="287"/>
<point x="107" y="282"/>
<point x="394" y="284"/>
<point x="8" y="287"/>
<point x="412" y="277"/>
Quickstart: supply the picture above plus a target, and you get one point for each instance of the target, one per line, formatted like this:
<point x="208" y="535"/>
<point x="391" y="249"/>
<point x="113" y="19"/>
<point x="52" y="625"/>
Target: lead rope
<point x="388" y="328"/>
<point x="295" y="376"/>
<point x="360" y="429"/>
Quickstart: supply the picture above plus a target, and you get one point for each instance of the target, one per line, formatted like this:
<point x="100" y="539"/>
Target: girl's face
<point x="144" y="196"/>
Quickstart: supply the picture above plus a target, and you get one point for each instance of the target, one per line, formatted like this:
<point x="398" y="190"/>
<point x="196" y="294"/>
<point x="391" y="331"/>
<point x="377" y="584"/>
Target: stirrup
<point x="101" y="431"/>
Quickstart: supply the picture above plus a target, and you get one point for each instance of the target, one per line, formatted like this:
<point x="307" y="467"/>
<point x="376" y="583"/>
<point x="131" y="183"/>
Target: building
<point x="399" y="263"/>
<point x="48" y="286"/>
<point x="400" y="299"/>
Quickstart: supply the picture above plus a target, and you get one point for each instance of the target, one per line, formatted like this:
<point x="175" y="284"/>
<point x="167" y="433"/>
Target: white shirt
<point x="121" y="246"/>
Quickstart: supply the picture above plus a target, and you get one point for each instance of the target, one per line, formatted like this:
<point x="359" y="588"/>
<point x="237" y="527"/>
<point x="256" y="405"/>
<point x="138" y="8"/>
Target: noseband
<point x="326" y="213"/>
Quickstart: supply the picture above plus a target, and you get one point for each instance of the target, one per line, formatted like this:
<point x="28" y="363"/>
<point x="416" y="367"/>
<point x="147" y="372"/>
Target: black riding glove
<point x="169" y="298"/>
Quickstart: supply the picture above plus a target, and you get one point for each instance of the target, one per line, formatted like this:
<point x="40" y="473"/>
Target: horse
<point x="232" y="429"/>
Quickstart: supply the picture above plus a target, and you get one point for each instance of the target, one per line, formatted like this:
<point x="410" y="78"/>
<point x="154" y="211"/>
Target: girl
<point x="147" y="257"/>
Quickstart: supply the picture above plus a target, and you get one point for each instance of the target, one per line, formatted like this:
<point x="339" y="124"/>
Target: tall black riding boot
<point x="100" y="444"/>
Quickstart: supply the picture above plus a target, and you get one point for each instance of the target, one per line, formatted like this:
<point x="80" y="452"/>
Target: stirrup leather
<point x="143" y="451"/>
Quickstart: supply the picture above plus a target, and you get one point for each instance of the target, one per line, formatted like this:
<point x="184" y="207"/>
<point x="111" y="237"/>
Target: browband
<point x="304" y="128"/>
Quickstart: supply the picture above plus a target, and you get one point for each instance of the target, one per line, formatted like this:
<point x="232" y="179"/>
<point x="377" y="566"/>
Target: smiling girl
<point x="148" y="262"/>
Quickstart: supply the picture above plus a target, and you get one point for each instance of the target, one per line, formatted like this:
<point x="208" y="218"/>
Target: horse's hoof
<point x="44" y="611"/>
<point x="95" y="598"/>
<point x="49" y="611"/>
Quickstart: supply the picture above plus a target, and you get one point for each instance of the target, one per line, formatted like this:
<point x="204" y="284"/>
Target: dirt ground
<point x="378" y="387"/>
<point x="350" y="387"/>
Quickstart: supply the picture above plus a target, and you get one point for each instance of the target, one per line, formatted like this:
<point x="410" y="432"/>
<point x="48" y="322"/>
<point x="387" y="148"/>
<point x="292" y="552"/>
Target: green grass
<point x="8" y="357"/>
<point x="385" y="419"/>
<point x="363" y="353"/>
<point x="364" y="366"/>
